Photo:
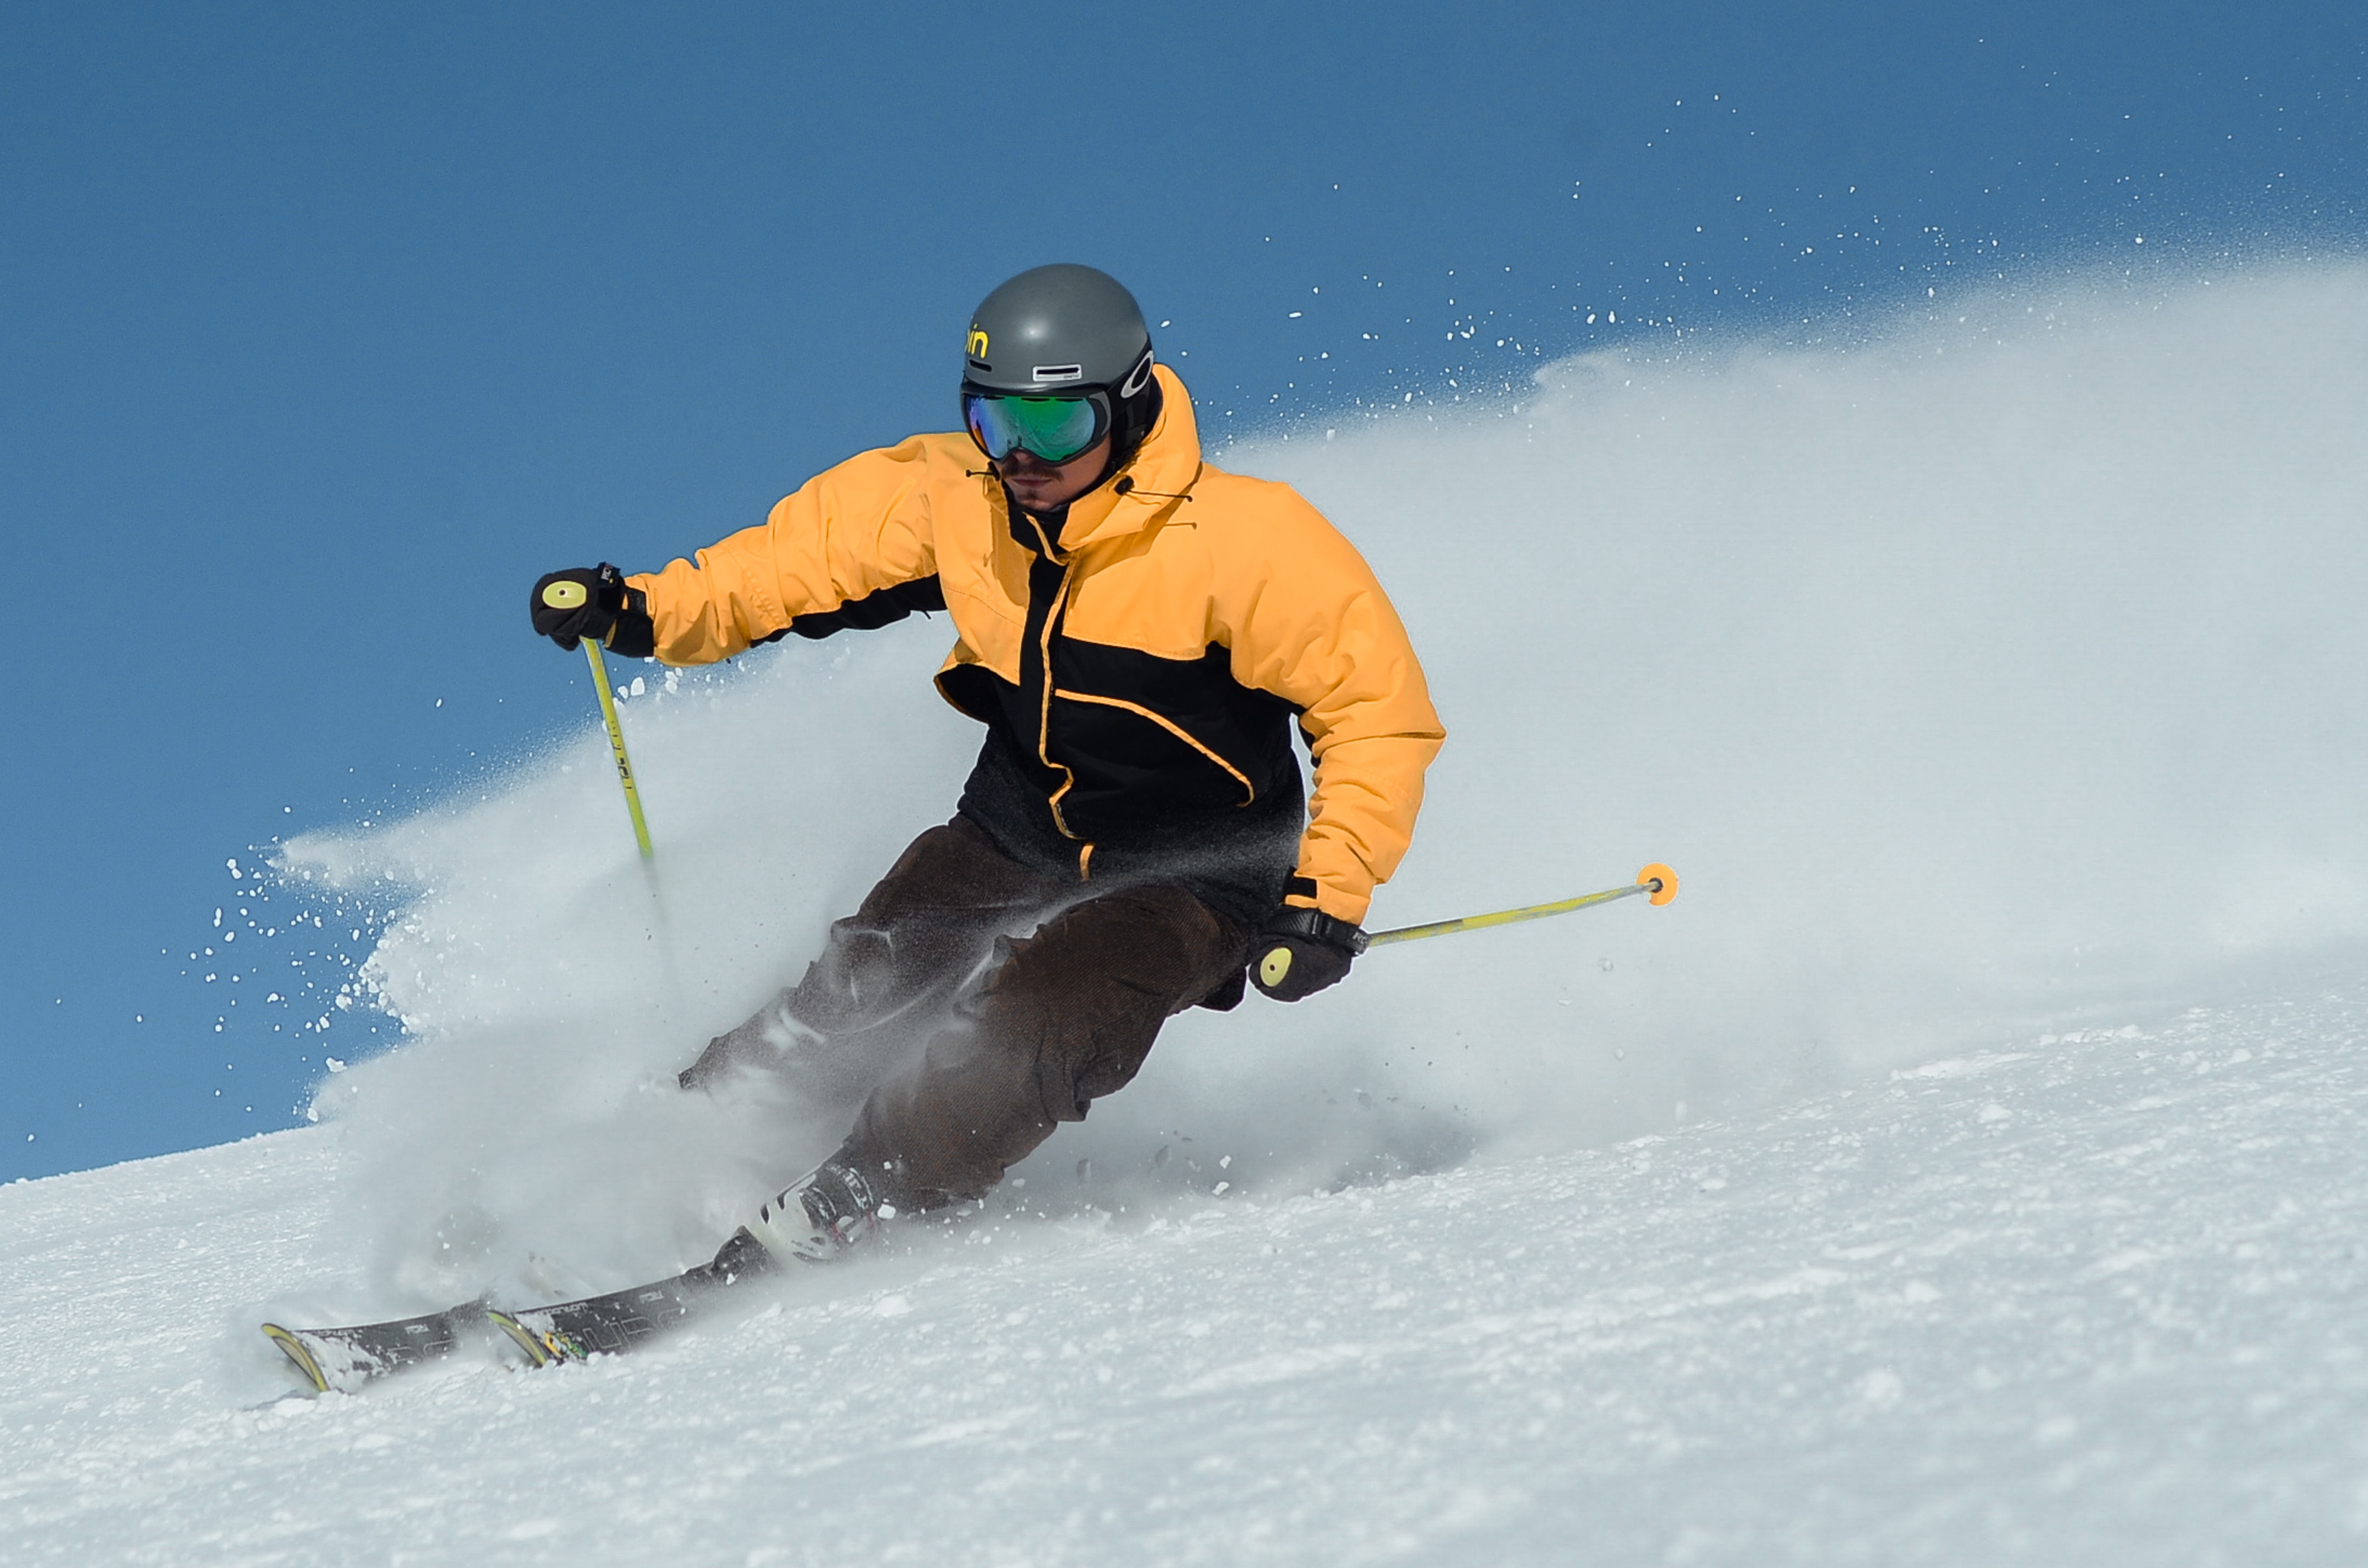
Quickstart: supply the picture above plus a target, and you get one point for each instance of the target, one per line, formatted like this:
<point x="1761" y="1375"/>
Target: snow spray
<point x="1990" y="648"/>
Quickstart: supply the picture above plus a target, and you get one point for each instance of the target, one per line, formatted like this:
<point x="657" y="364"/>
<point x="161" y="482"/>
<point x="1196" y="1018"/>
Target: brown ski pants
<point x="1030" y="996"/>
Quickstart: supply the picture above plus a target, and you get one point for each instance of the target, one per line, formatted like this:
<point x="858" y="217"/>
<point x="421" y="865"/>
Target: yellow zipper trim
<point x="1044" y="653"/>
<point x="1249" y="791"/>
<point x="1085" y="864"/>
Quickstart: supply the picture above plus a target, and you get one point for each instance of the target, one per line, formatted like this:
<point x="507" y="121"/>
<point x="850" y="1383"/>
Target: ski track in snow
<point x="2095" y="1299"/>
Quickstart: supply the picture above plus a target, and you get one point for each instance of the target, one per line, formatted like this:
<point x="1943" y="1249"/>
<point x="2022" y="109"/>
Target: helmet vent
<point x="1060" y="372"/>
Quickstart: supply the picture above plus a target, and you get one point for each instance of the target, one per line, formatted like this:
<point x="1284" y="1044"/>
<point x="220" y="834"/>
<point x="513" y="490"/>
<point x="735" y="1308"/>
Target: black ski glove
<point x="1299" y="951"/>
<point x="593" y="602"/>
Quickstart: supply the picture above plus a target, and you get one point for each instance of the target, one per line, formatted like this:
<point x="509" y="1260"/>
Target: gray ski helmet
<point x="1067" y="331"/>
<point x="1053" y="330"/>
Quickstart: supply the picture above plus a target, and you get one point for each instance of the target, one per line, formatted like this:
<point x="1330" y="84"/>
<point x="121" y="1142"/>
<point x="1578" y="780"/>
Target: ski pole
<point x="617" y="744"/>
<point x="1655" y="881"/>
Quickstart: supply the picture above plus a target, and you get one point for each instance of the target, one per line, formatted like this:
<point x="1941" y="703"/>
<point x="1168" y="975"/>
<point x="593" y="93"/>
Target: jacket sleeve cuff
<point x="1304" y="892"/>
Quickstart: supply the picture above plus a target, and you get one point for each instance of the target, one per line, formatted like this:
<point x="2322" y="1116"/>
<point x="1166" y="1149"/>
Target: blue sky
<point x="322" y="331"/>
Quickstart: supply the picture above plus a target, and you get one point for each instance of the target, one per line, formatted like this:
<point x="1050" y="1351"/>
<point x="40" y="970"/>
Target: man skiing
<point x="1138" y="630"/>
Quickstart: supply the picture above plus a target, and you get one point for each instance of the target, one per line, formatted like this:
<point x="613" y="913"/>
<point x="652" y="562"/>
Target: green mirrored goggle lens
<point x="1055" y="428"/>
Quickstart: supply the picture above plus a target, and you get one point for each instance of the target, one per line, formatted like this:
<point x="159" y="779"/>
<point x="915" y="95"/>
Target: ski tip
<point x="296" y="1351"/>
<point x="1661" y="879"/>
<point x="541" y="1349"/>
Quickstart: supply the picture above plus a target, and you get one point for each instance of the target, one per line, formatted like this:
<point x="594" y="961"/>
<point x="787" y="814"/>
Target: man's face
<point x="1040" y="487"/>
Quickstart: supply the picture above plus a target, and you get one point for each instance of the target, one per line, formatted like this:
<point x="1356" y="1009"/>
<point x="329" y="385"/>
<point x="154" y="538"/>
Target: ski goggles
<point x="1055" y="428"/>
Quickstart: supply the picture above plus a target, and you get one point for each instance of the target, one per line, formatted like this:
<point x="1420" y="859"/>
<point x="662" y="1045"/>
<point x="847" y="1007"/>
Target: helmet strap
<point x="1132" y="419"/>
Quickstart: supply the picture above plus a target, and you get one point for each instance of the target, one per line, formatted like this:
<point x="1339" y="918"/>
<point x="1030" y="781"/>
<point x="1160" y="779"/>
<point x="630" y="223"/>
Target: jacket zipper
<point x="1044" y="704"/>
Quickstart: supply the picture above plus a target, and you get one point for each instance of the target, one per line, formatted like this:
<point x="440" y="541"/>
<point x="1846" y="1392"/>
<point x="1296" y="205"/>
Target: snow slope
<point x="1965" y="1170"/>
<point x="2100" y="1299"/>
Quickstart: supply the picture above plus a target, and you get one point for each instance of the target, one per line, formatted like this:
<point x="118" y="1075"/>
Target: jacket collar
<point x="1163" y="469"/>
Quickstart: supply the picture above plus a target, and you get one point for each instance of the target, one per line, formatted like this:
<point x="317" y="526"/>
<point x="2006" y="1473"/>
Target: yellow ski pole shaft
<point x="1656" y="882"/>
<point x="617" y="744"/>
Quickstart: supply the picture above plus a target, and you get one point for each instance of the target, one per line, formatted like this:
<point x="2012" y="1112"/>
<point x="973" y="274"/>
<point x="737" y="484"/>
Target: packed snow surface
<point x="2100" y="1299"/>
<point x="1965" y="1169"/>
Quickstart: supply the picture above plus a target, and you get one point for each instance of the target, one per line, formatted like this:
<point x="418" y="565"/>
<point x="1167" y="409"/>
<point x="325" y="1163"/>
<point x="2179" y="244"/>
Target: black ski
<point x="610" y="1324"/>
<point x="345" y="1358"/>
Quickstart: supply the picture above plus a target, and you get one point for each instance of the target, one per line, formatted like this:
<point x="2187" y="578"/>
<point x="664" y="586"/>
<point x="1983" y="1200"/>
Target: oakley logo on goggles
<point x="1055" y="428"/>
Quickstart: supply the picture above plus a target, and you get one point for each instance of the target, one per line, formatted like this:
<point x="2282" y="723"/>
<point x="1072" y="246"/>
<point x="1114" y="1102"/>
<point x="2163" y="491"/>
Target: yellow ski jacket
<point x="1146" y="658"/>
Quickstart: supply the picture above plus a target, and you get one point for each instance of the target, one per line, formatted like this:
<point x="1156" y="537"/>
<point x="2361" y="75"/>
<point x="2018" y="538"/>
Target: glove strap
<point x="1315" y="926"/>
<point x="635" y="634"/>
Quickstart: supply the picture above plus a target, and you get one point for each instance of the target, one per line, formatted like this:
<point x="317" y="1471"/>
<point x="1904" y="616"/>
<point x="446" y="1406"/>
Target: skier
<point x="1138" y="630"/>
